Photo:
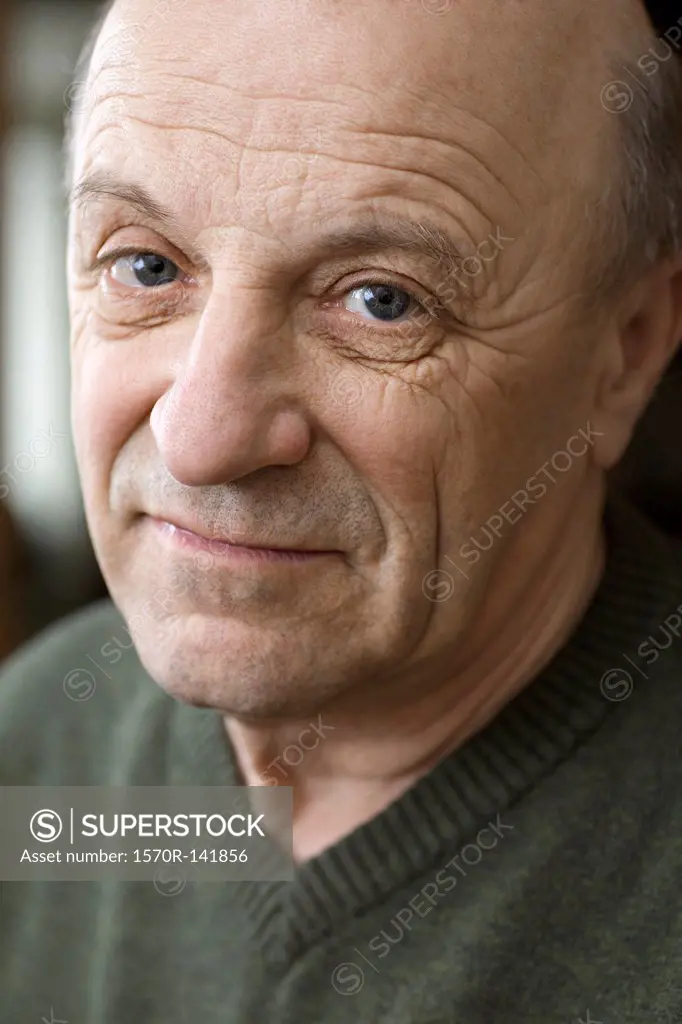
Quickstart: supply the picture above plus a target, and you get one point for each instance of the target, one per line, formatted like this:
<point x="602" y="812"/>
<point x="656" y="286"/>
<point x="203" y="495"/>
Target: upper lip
<point x="200" y="530"/>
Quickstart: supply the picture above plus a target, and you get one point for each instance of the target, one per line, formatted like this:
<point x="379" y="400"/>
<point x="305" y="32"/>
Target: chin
<point x="241" y="671"/>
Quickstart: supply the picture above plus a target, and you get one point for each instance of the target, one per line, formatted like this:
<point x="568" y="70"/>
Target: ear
<point x="644" y="335"/>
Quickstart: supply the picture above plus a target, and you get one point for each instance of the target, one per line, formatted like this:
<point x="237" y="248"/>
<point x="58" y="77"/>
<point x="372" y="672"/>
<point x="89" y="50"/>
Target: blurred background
<point x="47" y="568"/>
<point x="46" y="563"/>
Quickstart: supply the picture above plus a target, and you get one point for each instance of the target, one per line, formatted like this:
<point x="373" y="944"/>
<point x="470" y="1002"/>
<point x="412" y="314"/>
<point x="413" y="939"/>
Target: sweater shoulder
<point x="70" y="697"/>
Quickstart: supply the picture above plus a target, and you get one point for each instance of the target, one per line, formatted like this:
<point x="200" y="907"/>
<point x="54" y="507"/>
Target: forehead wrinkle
<point x="242" y="124"/>
<point x="178" y="126"/>
<point x="452" y="45"/>
<point x="470" y="149"/>
<point x="446" y="249"/>
<point x="460" y="187"/>
<point x="386" y="230"/>
<point x="240" y="103"/>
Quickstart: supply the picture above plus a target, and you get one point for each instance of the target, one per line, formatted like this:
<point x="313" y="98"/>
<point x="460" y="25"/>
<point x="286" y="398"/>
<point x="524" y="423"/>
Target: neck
<point x="351" y="767"/>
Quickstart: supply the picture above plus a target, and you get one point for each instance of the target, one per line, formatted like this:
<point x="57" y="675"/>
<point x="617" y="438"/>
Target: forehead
<point x="483" y="91"/>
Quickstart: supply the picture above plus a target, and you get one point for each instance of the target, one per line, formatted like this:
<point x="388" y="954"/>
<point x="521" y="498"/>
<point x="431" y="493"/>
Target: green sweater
<point x="533" y="876"/>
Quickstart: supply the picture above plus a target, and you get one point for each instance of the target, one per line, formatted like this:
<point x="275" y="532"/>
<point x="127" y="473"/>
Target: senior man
<point x="367" y="300"/>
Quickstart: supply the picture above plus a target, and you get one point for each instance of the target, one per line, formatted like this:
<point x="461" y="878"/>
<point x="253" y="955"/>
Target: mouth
<point x="196" y="538"/>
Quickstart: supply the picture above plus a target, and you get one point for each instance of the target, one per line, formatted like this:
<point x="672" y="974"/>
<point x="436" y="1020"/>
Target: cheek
<point x="511" y="413"/>
<point x="112" y="394"/>
<point x="392" y="438"/>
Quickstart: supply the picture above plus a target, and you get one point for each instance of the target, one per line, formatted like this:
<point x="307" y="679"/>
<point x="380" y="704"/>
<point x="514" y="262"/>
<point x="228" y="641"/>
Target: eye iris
<point x="153" y="270"/>
<point x="386" y="302"/>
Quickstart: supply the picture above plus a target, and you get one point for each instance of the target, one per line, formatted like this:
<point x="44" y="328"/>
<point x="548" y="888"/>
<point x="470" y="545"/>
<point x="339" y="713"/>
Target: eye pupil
<point x="386" y="302"/>
<point x="154" y="270"/>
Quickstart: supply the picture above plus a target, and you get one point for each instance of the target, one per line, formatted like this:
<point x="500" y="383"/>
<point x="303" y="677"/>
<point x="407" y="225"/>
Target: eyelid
<point x="428" y="302"/>
<point x="106" y="260"/>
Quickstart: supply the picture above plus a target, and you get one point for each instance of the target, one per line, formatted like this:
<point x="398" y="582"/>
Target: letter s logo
<point x="46" y="826"/>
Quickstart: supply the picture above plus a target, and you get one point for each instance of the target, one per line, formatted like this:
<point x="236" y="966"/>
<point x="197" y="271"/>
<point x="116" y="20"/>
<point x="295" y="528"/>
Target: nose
<point x="235" y="403"/>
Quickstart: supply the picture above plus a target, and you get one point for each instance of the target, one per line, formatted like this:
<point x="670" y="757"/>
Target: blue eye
<point x="383" y="302"/>
<point x="144" y="270"/>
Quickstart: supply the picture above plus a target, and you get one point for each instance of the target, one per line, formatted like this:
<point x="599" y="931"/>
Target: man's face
<point x="298" y="367"/>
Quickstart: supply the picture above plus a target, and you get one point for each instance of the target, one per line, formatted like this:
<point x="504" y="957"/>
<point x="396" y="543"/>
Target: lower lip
<point x="234" y="552"/>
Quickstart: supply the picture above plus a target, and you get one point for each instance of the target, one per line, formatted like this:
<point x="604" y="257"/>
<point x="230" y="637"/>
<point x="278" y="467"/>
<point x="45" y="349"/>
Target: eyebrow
<point x="103" y="184"/>
<point x="385" y="230"/>
<point x="391" y="231"/>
